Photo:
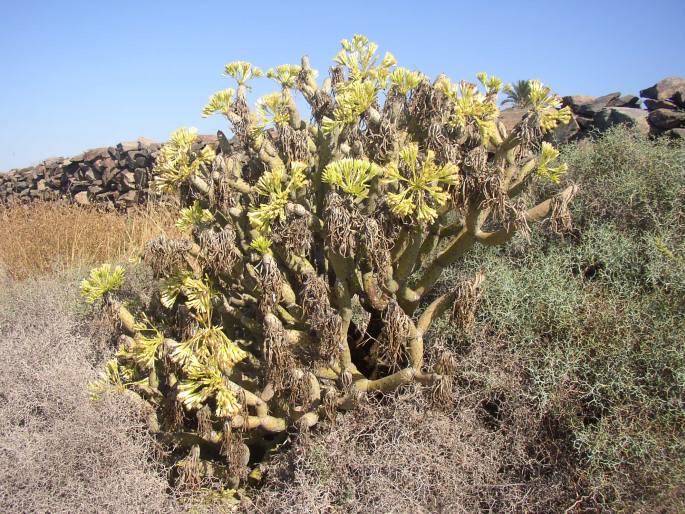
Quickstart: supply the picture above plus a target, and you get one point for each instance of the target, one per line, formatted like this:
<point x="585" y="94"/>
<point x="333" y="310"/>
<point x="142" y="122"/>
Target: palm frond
<point x="518" y="93"/>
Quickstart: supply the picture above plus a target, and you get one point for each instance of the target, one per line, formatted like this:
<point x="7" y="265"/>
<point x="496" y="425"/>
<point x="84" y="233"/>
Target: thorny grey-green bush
<point x="598" y="320"/>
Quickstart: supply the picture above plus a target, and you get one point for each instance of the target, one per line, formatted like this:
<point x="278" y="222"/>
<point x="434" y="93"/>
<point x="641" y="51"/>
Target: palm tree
<point x="518" y="93"/>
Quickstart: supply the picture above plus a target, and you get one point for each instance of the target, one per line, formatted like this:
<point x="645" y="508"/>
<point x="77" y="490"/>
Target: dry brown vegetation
<point x="52" y="237"/>
<point x="488" y="452"/>
<point x="60" y="452"/>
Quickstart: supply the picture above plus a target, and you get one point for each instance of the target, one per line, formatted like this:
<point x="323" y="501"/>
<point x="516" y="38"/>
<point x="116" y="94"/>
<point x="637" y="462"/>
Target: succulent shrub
<point x="312" y="244"/>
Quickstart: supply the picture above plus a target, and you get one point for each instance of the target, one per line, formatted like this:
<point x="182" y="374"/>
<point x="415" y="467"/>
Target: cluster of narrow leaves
<point x="294" y="224"/>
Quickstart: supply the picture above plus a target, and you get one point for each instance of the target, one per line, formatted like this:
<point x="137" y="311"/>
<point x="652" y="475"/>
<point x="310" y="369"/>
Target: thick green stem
<point x="434" y="311"/>
<point x="405" y="264"/>
<point x="459" y="246"/>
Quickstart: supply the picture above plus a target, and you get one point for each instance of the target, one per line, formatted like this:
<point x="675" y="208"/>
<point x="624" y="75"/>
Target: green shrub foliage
<point x="597" y="319"/>
<point x="311" y="244"/>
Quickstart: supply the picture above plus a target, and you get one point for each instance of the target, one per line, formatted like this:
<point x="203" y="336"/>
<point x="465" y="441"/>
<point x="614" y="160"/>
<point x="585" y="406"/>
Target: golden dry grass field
<point x="47" y="237"/>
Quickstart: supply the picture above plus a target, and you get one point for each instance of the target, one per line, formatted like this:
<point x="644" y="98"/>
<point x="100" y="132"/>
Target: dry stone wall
<point x="119" y="176"/>
<point x="116" y="177"/>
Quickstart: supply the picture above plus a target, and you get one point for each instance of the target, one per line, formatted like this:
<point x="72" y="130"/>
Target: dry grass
<point x="60" y="452"/>
<point x="489" y="452"/>
<point x="52" y="237"/>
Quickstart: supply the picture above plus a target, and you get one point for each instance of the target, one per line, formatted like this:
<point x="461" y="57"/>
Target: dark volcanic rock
<point x="585" y="123"/>
<point x="653" y="105"/>
<point x="671" y="88"/>
<point x="626" y="101"/>
<point x="575" y="101"/>
<point x="113" y="176"/>
<point x="610" y="116"/>
<point x="664" y="119"/>
<point x="677" y="133"/>
<point x="593" y="108"/>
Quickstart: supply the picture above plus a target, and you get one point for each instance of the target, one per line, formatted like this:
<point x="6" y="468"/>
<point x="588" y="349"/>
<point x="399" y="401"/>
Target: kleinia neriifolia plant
<point x="305" y="280"/>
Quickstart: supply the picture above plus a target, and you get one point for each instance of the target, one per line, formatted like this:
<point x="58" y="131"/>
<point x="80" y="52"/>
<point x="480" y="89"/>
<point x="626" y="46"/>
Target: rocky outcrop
<point x="664" y="111"/>
<point x="671" y="89"/>
<point x="600" y="113"/>
<point x="115" y="177"/>
<point x="665" y="119"/>
<point x="610" y="116"/>
<point x="665" y="102"/>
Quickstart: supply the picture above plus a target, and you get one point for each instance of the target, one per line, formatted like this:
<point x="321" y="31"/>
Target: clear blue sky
<point x="77" y="75"/>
